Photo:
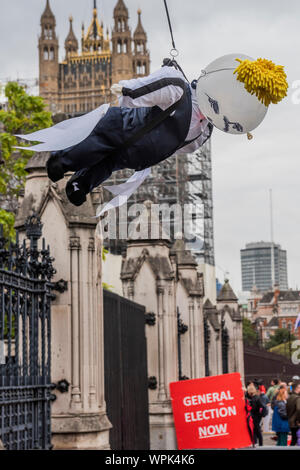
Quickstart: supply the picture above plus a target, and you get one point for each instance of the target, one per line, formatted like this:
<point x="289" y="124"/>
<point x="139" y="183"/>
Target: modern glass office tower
<point x="256" y="261"/>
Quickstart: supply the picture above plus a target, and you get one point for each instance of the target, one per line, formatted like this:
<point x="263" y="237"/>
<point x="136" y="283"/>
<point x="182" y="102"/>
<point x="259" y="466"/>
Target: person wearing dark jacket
<point x="266" y="402"/>
<point x="293" y="411"/>
<point x="280" y="422"/>
<point x="256" y="411"/>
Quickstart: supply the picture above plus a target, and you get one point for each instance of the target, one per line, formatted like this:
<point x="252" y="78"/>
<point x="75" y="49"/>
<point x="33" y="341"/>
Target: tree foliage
<point x="250" y="336"/>
<point x="23" y="114"/>
<point x="281" y="336"/>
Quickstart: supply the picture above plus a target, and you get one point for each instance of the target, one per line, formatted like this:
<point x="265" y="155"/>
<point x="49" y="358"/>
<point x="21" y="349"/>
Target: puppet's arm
<point x="162" y="88"/>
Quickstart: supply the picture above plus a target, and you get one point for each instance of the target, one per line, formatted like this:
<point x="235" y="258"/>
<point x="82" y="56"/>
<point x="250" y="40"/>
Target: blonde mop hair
<point x="264" y="79"/>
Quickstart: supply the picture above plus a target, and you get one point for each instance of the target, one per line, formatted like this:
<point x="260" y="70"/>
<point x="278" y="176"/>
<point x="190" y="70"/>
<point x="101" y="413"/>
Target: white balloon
<point x="225" y="101"/>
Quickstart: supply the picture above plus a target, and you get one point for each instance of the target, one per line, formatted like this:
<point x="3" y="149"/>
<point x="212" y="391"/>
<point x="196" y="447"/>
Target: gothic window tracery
<point x="51" y="54"/>
<point x="139" y="48"/>
<point x="141" y="68"/>
<point x="46" y="53"/>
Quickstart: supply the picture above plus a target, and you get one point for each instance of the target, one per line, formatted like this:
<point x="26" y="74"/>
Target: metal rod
<point x="272" y="241"/>
<point x="170" y="25"/>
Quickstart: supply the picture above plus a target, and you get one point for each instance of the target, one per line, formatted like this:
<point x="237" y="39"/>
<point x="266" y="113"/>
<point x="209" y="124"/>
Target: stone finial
<point x="226" y="293"/>
<point x="184" y="256"/>
<point x="139" y="31"/>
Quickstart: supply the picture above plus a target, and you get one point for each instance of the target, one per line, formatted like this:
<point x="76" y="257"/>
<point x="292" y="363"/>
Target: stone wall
<point x="79" y="418"/>
<point x="166" y="280"/>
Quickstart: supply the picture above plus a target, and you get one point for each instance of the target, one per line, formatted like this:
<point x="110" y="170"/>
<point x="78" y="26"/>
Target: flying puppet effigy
<point x="158" y="116"/>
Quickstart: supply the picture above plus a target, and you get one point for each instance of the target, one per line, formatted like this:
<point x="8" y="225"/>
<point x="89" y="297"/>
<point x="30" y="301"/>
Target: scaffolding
<point x="185" y="180"/>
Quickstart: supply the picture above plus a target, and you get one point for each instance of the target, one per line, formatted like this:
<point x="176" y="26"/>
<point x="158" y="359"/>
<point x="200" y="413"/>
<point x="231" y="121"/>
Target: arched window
<point x="119" y="25"/>
<point x="51" y="55"/>
<point x="50" y="33"/>
<point x="139" y="68"/>
<point x="46" y="53"/>
<point x="125" y="47"/>
<point x="119" y="49"/>
<point x="123" y="25"/>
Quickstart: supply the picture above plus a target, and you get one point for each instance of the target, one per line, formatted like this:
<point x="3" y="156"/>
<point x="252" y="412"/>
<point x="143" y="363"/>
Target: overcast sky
<point x="243" y="171"/>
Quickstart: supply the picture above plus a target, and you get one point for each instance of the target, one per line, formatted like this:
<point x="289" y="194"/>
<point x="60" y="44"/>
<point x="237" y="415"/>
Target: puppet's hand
<point x="116" y="89"/>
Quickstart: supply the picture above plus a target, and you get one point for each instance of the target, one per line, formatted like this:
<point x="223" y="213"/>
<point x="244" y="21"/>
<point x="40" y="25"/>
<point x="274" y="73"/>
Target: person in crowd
<point x="266" y="402"/>
<point x="280" y="422"/>
<point x="270" y="394"/>
<point x="272" y="389"/>
<point x="282" y="386"/>
<point x="293" y="411"/>
<point x="257" y="407"/>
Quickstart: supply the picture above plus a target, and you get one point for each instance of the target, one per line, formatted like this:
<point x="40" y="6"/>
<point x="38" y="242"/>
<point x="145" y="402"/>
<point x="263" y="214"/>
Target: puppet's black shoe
<point x="75" y="191"/>
<point x="55" y="168"/>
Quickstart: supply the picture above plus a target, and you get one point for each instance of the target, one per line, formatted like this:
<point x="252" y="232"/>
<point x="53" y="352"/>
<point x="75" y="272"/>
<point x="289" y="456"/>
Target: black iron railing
<point x="181" y="330"/>
<point x="225" y="347"/>
<point x="25" y="335"/>
<point x="206" y="346"/>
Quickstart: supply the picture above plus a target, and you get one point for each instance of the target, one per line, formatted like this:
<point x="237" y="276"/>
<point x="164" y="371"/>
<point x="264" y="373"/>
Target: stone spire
<point x="140" y="33"/>
<point x="141" y="60"/>
<point x="226" y="293"/>
<point x="184" y="256"/>
<point x="121" y="9"/>
<point x="94" y="40"/>
<point x="71" y="43"/>
<point x="47" y="12"/>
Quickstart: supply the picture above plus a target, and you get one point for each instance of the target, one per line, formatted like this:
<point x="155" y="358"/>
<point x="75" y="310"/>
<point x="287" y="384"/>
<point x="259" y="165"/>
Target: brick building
<point x="273" y="310"/>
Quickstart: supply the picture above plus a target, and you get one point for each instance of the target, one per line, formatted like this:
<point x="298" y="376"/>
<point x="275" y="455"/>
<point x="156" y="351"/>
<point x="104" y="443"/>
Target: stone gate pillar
<point x="79" y="419"/>
<point x="148" y="278"/>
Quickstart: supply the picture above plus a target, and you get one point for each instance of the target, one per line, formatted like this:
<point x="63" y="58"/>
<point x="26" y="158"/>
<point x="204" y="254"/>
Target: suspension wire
<point x="171" y="30"/>
<point x="174" y="51"/>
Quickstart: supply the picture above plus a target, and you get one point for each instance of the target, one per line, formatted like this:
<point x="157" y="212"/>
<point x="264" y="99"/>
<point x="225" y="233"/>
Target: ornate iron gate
<point x="25" y="337"/>
<point x="126" y="377"/>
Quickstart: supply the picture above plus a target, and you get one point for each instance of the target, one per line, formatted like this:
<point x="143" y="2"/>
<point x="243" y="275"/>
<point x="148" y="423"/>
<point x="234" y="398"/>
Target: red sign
<point x="210" y="413"/>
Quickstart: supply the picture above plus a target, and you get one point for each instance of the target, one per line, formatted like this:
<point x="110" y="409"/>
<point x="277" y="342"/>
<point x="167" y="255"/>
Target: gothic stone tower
<point x="48" y="58"/>
<point x="122" y="44"/>
<point x="82" y="81"/>
<point x="141" y="58"/>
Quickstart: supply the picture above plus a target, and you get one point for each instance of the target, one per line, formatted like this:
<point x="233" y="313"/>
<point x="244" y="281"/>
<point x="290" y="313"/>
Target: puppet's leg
<point x="84" y="155"/>
<point x="85" y="180"/>
<point x="106" y="138"/>
<point x="88" y="153"/>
